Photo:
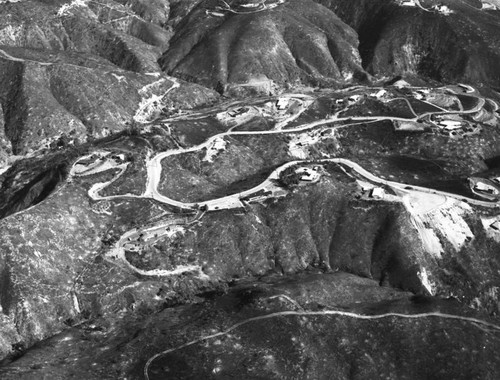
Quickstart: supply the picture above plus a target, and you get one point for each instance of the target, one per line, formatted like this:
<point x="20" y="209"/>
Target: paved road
<point x="154" y="174"/>
<point x="154" y="166"/>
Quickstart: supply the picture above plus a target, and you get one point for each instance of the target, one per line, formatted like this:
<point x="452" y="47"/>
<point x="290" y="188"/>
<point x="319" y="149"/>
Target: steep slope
<point x="278" y="328"/>
<point x="53" y="96"/>
<point x="152" y="228"/>
<point x="395" y="40"/>
<point x="298" y="41"/>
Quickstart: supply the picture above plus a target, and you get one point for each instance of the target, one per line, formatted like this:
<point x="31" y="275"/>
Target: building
<point x="484" y="188"/>
<point x="308" y="175"/>
<point x="282" y="104"/>
<point x="450" y="124"/>
<point x="407" y="3"/>
<point x="443" y="9"/>
<point x="377" y="192"/>
<point x="237" y="111"/>
<point x="353" y="99"/>
<point x="401" y="84"/>
<point x="409" y="125"/>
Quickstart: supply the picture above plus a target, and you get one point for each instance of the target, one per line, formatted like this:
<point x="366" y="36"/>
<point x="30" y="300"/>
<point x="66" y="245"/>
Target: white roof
<point x="450" y="124"/>
<point x="377" y="192"/>
<point x="485" y="187"/>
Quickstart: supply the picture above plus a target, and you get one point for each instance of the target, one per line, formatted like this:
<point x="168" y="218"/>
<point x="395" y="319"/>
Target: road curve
<point x="154" y="167"/>
<point x="473" y="321"/>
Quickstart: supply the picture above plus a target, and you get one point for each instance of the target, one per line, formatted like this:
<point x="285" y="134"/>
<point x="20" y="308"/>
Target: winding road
<point x="484" y="325"/>
<point x="154" y="176"/>
<point x="154" y="166"/>
<point x="233" y="201"/>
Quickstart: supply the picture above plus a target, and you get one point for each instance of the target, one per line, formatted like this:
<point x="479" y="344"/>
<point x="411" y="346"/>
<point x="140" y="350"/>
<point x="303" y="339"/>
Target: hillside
<point x="249" y="189"/>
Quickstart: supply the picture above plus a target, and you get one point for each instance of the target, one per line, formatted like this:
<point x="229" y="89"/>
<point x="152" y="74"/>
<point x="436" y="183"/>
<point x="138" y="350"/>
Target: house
<point x="407" y="3"/>
<point x="307" y="177"/>
<point x="308" y="174"/>
<point x="282" y="103"/>
<point x="401" y="84"/>
<point x="488" y="6"/>
<point x="485" y="188"/>
<point x="409" y="125"/>
<point x="443" y="9"/>
<point x="238" y="111"/>
<point x="420" y="94"/>
<point x="377" y="192"/>
<point x="214" y="13"/>
<point x="250" y="5"/>
<point x="353" y="99"/>
<point x="491" y="5"/>
<point x="450" y="124"/>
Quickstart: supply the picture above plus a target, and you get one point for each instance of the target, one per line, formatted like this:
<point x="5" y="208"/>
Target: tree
<point x="289" y="178"/>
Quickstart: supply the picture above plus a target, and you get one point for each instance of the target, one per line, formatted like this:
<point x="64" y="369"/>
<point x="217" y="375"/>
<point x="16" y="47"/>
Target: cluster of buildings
<point x="380" y="94"/>
<point x="441" y="8"/>
<point x="454" y="126"/>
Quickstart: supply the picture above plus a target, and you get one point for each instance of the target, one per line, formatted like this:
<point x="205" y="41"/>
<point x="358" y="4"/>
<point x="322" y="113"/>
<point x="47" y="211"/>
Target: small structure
<point x="237" y="115"/>
<point x="238" y="111"/>
<point x="401" y="84"/>
<point x="377" y="193"/>
<point x="250" y="5"/>
<point x="450" y="124"/>
<point x="484" y="188"/>
<point x="308" y="175"/>
<point x="409" y="125"/>
<point x="488" y="6"/>
<point x="214" y="13"/>
<point x="443" y="9"/>
<point x="353" y="99"/>
<point x="407" y="3"/>
<point x="282" y="104"/>
<point x="420" y="94"/>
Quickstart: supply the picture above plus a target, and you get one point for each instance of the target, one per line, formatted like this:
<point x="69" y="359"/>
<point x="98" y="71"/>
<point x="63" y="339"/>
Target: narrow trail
<point x="483" y="325"/>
